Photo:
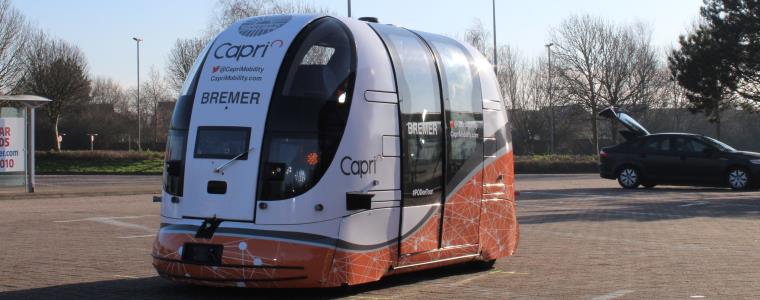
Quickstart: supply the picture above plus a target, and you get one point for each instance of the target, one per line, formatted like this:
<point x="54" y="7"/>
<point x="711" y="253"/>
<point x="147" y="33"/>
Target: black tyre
<point x="484" y="264"/>
<point x="738" y="178"/>
<point x="629" y="177"/>
<point x="648" y="184"/>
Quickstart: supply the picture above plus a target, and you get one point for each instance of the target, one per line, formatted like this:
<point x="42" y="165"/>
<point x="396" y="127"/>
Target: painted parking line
<point x="472" y="278"/>
<point x="699" y="198"/>
<point x="561" y="194"/>
<point x="124" y="224"/>
<point x="137" y="236"/>
<point x="102" y="218"/>
<point x="613" y="295"/>
<point x="640" y="242"/>
<point x="116" y="221"/>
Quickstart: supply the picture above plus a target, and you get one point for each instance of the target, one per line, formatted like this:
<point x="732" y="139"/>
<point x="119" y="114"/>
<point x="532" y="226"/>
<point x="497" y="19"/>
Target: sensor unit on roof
<point x="369" y="19"/>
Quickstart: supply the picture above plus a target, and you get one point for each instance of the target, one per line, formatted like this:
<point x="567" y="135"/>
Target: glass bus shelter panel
<point x="12" y="147"/>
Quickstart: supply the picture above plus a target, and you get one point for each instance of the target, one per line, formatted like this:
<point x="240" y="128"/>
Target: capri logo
<point x="348" y="166"/>
<point x="262" y="25"/>
<point x="228" y="50"/>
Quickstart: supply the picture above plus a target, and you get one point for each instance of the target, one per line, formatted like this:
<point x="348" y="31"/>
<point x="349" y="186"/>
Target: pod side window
<point x="421" y="115"/>
<point x="463" y="102"/>
<point x="309" y="110"/>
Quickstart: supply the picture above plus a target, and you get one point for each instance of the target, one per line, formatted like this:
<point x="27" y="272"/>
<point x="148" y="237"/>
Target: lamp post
<point x="139" y="134"/>
<point x="349" y="8"/>
<point x="60" y="140"/>
<point x="551" y="101"/>
<point x="92" y="140"/>
<point x="495" y="61"/>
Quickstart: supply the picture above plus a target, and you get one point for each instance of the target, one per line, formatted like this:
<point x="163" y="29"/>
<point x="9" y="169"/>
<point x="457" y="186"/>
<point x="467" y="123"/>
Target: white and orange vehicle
<point x="317" y="151"/>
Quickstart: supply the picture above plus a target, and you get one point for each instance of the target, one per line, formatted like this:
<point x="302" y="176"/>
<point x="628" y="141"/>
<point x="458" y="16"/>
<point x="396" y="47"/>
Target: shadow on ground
<point x="159" y="288"/>
<point x="615" y="192"/>
<point x="660" y="204"/>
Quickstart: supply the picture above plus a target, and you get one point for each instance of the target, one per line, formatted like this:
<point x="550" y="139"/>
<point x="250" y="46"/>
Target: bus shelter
<point x="17" y="139"/>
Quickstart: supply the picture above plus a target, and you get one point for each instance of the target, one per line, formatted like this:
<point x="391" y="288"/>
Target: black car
<point x="675" y="158"/>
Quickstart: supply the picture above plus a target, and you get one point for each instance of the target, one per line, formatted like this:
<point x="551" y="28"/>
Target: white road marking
<point x="613" y="295"/>
<point x="137" y="236"/>
<point x="630" y="241"/>
<point x="469" y="279"/>
<point x="670" y="195"/>
<point x="115" y="222"/>
<point x="693" y="204"/>
<point x="123" y="224"/>
<point x="565" y="194"/>
<point x="126" y="276"/>
<point x="638" y="213"/>
<point x="101" y="218"/>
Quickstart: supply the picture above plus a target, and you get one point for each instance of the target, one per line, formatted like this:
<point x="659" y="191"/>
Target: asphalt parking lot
<point x="581" y="238"/>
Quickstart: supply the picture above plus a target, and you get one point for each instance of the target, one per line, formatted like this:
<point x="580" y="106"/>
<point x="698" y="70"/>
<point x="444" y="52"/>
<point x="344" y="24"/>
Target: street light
<point x="349" y="8"/>
<point x="551" y="101"/>
<point x="495" y="61"/>
<point x="92" y="140"/>
<point x="60" y="139"/>
<point x="139" y="135"/>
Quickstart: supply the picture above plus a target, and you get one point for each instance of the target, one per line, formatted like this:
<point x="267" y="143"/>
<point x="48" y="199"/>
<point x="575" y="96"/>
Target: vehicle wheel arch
<point x="629" y="182"/>
<point x="634" y="165"/>
<point x="750" y="179"/>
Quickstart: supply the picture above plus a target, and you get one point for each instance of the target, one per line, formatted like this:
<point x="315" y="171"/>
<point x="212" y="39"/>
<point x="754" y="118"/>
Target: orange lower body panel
<point x="249" y="260"/>
<point x="246" y="262"/>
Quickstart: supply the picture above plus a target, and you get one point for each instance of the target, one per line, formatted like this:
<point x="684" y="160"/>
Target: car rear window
<point x="657" y="144"/>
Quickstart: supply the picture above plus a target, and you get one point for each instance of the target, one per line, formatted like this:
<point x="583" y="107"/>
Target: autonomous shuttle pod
<point x="317" y="151"/>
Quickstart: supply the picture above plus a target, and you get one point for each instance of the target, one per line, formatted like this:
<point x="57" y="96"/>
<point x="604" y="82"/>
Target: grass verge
<point x="556" y="164"/>
<point x="99" y="162"/>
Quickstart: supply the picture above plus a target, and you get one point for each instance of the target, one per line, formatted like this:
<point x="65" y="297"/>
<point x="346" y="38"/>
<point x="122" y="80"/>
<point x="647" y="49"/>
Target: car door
<point x="463" y="104"/>
<point x="422" y="139"/>
<point x="699" y="162"/>
<point x="657" y="159"/>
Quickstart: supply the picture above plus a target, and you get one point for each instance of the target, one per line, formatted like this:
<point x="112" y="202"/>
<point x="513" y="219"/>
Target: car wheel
<point x="738" y="178"/>
<point x="628" y="178"/>
<point x="649" y="185"/>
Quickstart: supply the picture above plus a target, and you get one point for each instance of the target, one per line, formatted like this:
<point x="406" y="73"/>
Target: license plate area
<point x="202" y="254"/>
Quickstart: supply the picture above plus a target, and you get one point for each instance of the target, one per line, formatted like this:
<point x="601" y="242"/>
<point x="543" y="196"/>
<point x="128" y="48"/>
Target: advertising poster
<point x="11" y="145"/>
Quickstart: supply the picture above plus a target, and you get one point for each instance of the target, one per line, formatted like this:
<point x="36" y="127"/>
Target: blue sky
<point x="104" y="29"/>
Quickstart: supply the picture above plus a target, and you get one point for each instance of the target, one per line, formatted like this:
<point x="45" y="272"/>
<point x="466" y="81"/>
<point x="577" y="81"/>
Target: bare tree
<point x="230" y="11"/>
<point x="527" y="93"/>
<point x="108" y="91"/>
<point x="580" y="46"/>
<point x="523" y="85"/>
<point x="56" y="70"/>
<point x="181" y="59"/>
<point x="13" y="37"/>
<point x="629" y="69"/>
<point x="477" y="36"/>
<point x="509" y="74"/>
<point x="155" y="91"/>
